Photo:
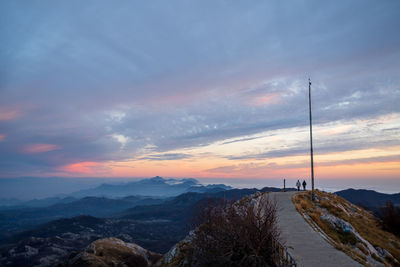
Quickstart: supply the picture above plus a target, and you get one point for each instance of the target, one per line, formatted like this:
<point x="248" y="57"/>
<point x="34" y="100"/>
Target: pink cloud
<point x="264" y="99"/>
<point x="39" y="148"/>
<point x="85" y="167"/>
<point x="6" y="115"/>
<point x="2" y="136"/>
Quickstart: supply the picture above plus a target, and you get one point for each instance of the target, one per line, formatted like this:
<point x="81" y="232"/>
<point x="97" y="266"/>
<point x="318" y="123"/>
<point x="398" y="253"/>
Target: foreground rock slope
<point x="349" y="228"/>
<point x="114" y="252"/>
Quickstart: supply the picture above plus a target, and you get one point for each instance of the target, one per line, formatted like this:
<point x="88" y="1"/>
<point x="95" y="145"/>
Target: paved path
<point x="305" y="245"/>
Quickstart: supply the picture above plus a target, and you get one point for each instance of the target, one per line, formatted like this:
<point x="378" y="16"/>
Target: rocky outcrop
<point x="180" y="255"/>
<point x="349" y="228"/>
<point x="114" y="252"/>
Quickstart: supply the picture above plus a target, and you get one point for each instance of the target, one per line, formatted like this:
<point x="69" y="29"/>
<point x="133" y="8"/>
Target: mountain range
<point x="155" y="213"/>
<point x="156" y="186"/>
<point x="102" y="201"/>
<point x="35" y="192"/>
<point x="22" y="217"/>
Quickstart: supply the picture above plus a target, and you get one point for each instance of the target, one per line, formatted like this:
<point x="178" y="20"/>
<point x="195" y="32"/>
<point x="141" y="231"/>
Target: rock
<point x="338" y="223"/>
<point x="382" y="252"/>
<point x="114" y="252"/>
<point x="180" y="255"/>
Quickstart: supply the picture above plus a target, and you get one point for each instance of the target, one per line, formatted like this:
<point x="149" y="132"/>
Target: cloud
<point x="86" y="168"/>
<point x="217" y="71"/>
<point x="369" y="160"/>
<point x="166" y="156"/>
<point x="6" y="115"/>
<point x="123" y="140"/>
<point x="39" y="148"/>
<point x="240" y="140"/>
<point x="262" y="169"/>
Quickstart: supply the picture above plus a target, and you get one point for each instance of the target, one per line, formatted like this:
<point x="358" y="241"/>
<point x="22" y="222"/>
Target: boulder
<point x="114" y="252"/>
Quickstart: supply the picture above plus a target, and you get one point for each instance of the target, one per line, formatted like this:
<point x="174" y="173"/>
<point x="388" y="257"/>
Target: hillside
<point x="22" y="218"/>
<point x="114" y="252"/>
<point x="349" y="228"/>
<point x="182" y="207"/>
<point x="368" y="198"/>
<point x="153" y="227"/>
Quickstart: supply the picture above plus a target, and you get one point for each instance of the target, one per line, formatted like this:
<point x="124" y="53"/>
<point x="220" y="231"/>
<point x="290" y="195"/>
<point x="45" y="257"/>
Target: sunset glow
<point x="144" y="91"/>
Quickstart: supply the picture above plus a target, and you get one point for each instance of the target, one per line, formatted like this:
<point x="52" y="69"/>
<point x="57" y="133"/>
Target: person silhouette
<point x="304" y="185"/>
<point x="298" y="185"/>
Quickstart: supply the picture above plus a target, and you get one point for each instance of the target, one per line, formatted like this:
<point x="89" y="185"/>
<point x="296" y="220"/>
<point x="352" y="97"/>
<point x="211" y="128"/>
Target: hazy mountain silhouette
<point x="18" y="218"/>
<point x="14" y="190"/>
<point x="29" y="214"/>
<point x="34" y="203"/>
<point x="368" y="198"/>
<point x="156" y="186"/>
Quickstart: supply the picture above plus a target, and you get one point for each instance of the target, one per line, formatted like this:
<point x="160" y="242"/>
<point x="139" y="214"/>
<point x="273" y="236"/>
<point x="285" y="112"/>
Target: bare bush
<point x="390" y="216"/>
<point x="237" y="234"/>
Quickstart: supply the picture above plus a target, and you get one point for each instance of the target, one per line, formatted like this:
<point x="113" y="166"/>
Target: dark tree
<point x="391" y="218"/>
<point x="237" y="234"/>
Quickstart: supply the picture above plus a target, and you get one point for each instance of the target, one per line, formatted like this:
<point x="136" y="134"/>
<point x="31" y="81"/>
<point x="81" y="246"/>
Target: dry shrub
<point x="316" y="217"/>
<point x="237" y="234"/>
<point x="324" y="203"/>
<point x="391" y="260"/>
<point x="390" y="216"/>
<point x="375" y="257"/>
<point x="362" y="257"/>
<point x="361" y="247"/>
<point x="346" y="237"/>
<point x="303" y="205"/>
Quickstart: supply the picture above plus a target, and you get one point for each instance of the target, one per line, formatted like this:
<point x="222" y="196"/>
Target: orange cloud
<point x="209" y="167"/>
<point x="39" y="148"/>
<point x="366" y="163"/>
<point x="85" y="167"/>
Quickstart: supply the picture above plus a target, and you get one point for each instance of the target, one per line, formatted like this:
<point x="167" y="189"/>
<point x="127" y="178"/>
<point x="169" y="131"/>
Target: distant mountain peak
<point x="155" y="186"/>
<point x="157" y="178"/>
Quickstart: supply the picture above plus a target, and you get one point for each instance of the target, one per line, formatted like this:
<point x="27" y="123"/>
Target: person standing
<point x="304" y="185"/>
<point x="298" y="185"/>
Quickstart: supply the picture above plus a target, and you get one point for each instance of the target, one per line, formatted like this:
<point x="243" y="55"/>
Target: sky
<point x="203" y="89"/>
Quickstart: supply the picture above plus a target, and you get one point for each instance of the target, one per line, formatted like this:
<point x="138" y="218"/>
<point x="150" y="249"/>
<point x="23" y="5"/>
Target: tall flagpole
<point x="311" y="145"/>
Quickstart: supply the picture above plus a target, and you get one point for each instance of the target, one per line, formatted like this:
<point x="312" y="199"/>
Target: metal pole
<point x="311" y="145"/>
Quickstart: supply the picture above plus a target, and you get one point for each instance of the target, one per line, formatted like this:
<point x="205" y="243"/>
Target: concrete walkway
<point x="305" y="245"/>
